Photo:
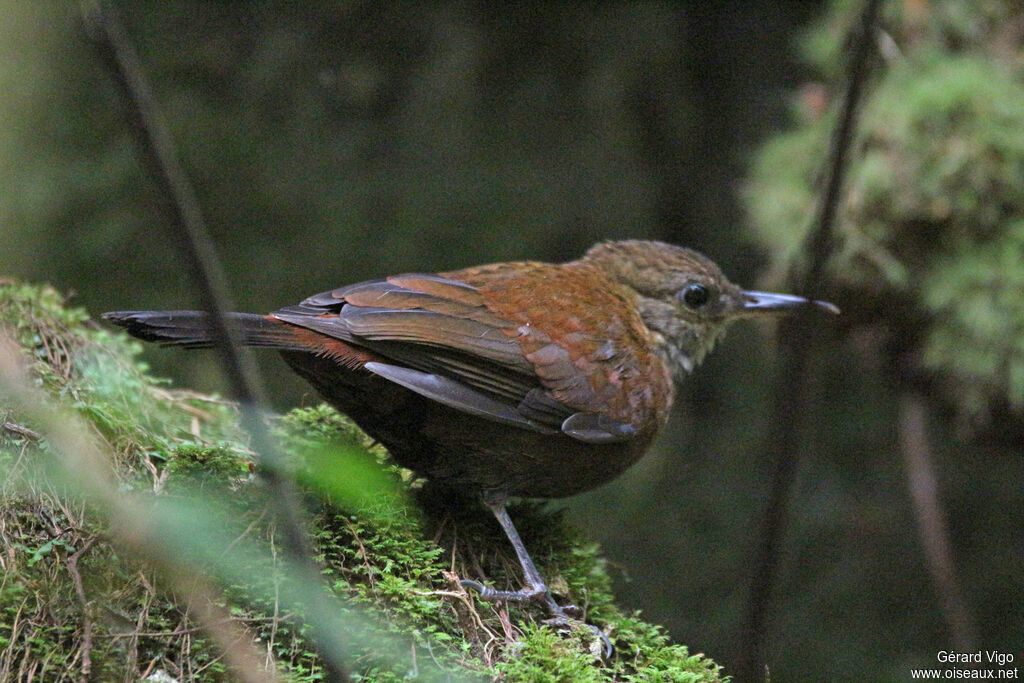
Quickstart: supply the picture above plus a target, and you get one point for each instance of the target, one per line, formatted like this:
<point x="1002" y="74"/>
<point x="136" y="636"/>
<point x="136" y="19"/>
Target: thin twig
<point x="189" y="229"/>
<point x="76" y="580"/>
<point x="155" y="144"/>
<point x="931" y="522"/>
<point x="796" y="336"/>
<point x="21" y="430"/>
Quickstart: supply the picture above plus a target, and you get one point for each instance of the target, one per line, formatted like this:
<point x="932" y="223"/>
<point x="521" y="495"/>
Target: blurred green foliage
<point x="932" y="221"/>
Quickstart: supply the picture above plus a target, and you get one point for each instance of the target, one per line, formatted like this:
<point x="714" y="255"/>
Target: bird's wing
<point x="441" y="339"/>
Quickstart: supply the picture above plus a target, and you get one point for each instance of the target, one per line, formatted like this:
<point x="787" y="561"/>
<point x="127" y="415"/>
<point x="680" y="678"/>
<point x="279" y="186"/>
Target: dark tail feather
<point x="193" y="329"/>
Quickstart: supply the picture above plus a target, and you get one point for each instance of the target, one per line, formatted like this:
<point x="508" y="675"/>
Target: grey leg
<point x="535" y="588"/>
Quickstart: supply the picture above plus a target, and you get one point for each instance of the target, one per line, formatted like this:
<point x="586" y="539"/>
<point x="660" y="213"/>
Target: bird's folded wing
<point x="446" y="344"/>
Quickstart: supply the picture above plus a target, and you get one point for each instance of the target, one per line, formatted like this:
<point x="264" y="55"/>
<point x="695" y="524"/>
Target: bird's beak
<point x="766" y="302"/>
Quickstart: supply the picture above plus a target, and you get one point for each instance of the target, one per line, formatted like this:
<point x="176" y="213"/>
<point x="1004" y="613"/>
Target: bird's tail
<point x="194" y="329"/>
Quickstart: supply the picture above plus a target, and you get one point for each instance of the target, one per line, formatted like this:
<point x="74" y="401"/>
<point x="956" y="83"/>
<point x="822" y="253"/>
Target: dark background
<point x="336" y="141"/>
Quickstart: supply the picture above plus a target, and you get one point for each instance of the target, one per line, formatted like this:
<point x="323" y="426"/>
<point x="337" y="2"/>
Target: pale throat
<point x="683" y="355"/>
<point x="681" y="343"/>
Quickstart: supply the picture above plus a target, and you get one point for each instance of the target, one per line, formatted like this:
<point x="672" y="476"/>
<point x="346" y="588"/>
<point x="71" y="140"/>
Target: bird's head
<point x="683" y="297"/>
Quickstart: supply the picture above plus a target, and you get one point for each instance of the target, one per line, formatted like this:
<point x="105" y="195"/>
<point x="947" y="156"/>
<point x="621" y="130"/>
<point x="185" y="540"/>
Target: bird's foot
<point x="488" y="594"/>
<point x="562" y="616"/>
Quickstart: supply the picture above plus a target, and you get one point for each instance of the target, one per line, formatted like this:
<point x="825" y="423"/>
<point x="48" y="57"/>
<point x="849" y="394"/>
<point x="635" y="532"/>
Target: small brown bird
<point x="511" y="379"/>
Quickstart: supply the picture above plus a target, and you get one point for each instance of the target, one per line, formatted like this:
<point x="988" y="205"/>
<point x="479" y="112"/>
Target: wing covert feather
<point x="467" y="345"/>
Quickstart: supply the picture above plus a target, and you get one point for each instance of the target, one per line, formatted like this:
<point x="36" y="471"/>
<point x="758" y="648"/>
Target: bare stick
<point x="931" y="522"/>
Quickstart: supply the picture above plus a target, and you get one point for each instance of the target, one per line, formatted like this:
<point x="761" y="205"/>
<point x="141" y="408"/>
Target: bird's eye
<point x="696" y="295"/>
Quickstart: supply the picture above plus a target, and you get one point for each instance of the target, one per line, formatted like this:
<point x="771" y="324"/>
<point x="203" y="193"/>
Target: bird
<point x="514" y="379"/>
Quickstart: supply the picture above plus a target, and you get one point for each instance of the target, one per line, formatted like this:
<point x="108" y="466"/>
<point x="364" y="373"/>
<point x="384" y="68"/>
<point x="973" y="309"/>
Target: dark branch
<point x="796" y="336"/>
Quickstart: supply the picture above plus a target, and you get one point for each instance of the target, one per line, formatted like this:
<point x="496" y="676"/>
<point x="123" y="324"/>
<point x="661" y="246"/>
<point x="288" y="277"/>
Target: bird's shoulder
<point x="583" y="334"/>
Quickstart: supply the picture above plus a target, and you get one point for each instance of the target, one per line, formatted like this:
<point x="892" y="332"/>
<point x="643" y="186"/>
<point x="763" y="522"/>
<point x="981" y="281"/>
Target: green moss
<point x="98" y="374"/>
<point x="208" y="460"/>
<point x="928" y="239"/>
<point x="390" y="546"/>
<point x="323" y="423"/>
<point x="545" y="657"/>
<point x="977" y="296"/>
